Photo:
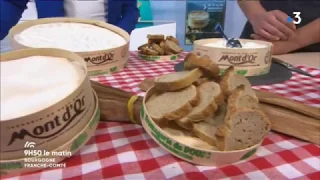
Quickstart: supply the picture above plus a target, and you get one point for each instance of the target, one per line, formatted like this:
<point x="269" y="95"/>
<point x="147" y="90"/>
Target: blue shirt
<point x="122" y="13"/>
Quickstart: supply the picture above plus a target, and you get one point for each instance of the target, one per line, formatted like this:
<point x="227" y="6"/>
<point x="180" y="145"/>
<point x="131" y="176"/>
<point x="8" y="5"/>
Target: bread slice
<point x="143" y="46"/>
<point x="177" y="80"/>
<point x="210" y="68"/>
<point x="201" y="81"/>
<point x="189" y="58"/>
<point x="185" y="137"/>
<point x="207" y="129"/>
<point x="239" y="99"/>
<point x="243" y="128"/>
<point x="172" y="105"/>
<point x="148" y="51"/>
<point x="244" y="125"/>
<point x="155" y="38"/>
<point x="157" y="48"/>
<point x="173" y="47"/>
<point x="210" y="96"/>
<point x="163" y="47"/>
<point x="173" y="39"/>
<point x="205" y="132"/>
<point x="168" y="52"/>
<point x="230" y="81"/>
<point x="218" y="118"/>
<point x="185" y="123"/>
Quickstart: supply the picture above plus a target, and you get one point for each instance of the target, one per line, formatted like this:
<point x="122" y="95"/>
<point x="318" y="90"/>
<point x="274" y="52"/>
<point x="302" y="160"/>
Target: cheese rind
<point x="31" y="84"/>
<point x="75" y="37"/>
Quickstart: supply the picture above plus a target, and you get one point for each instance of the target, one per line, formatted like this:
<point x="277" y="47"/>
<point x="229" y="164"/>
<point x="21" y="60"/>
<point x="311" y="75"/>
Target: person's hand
<point x="272" y="25"/>
<point x="279" y="47"/>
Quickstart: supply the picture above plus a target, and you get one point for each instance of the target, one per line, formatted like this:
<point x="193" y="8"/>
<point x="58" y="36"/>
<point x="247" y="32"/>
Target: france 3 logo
<point x="296" y="18"/>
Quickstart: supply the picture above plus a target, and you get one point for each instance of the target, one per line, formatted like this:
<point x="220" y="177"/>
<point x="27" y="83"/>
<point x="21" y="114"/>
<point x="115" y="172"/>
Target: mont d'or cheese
<point x="31" y="84"/>
<point x="75" y="37"/>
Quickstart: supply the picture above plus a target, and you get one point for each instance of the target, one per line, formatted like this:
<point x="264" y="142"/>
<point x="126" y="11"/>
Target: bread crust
<point x="173" y="39"/>
<point x="210" y="68"/>
<point x="205" y="113"/>
<point x="158" y="48"/>
<point x="184" y="123"/>
<point x="233" y="108"/>
<point x="178" y="113"/>
<point x="224" y="82"/>
<point x="143" y="46"/>
<point x="201" y="81"/>
<point x="155" y="38"/>
<point x="239" y="94"/>
<point x="160" y="45"/>
<point x="148" y="51"/>
<point x="192" y="76"/>
<point x="210" y="109"/>
<point x="173" y="47"/>
<point x="208" y="135"/>
<point x="225" y="130"/>
<point x="230" y="77"/>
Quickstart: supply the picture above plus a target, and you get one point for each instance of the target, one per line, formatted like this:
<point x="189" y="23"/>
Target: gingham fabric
<point x="124" y="151"/>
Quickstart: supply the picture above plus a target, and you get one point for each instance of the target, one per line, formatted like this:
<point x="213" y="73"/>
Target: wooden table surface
<point x="305" y="59"/>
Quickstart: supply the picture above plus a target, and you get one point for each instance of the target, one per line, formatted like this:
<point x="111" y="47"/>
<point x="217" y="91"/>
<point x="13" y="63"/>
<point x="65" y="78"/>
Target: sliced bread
<point x="143" y="46"/>
<point x="185" y="123"/>
<point x="219" y="116"/>
<point x="155" y="38"/>
<point x="216" y="120"/>
<point x="210" y="96"/>
<point x="173" y="39"/>
<point x="173" y="47"/>
<point x="244" y="128"/>
<point x="205" y="131"/>
<point x="177" y="80"/>
<point x="209" y="67"/>
<point x="230" y="81"/>
<point x="185" y="137"/>
<point x="189" y="58"/>
<point x="157" y="48"/>
<point x="239" y="99"/>
<point x="148" y="51"/>
<point x="201" y="81"/>
<point x="172" y="105"/>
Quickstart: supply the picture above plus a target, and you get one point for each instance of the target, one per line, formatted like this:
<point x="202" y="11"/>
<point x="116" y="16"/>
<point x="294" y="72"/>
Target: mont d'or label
<point x="239" y="59"/>
<point x="60" y="120"/>
<point x="53" y="127"/>
<point x="100" y="59"/>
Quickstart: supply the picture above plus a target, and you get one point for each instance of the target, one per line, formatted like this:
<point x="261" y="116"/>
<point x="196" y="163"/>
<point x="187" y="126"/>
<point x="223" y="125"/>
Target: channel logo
<point x="28" y="145"/>
<point x="296" y="19"/>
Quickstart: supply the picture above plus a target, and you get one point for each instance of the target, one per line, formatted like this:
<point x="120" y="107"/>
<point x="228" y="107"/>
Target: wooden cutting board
<point x="291" y="117"/>
<point x="274" y="99"/>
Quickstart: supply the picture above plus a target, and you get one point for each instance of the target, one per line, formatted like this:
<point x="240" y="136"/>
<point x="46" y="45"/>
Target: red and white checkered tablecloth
<point x="125" y="151"/>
